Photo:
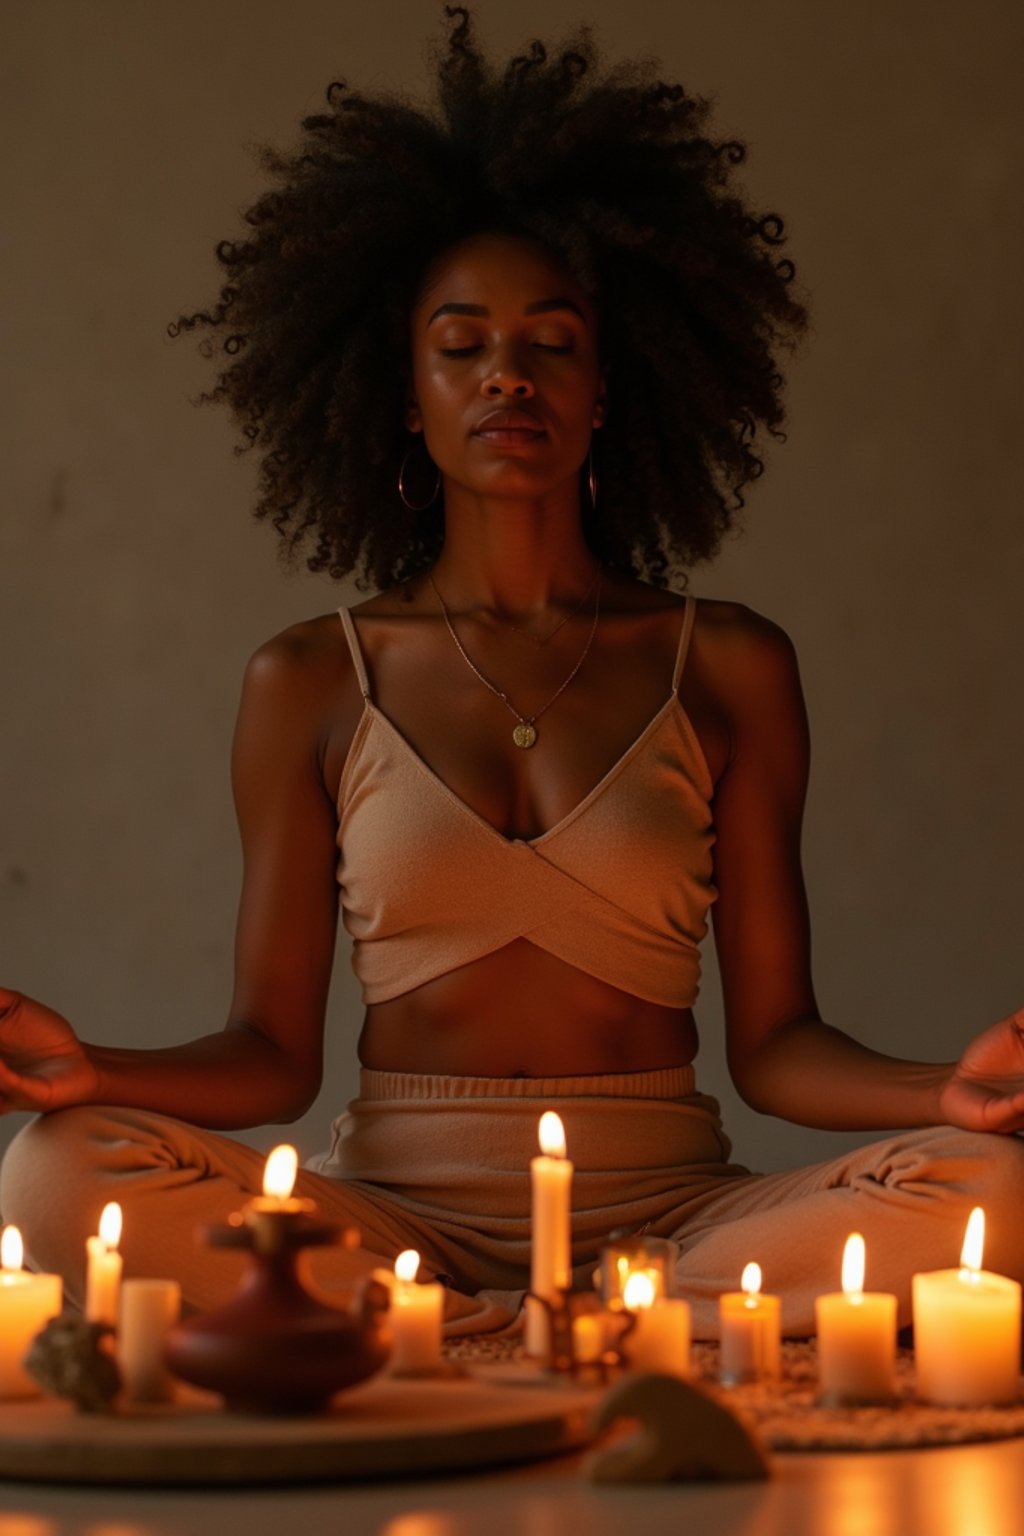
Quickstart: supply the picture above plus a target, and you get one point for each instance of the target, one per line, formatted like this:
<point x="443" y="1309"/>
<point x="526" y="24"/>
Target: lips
<point x="509" y="427"/>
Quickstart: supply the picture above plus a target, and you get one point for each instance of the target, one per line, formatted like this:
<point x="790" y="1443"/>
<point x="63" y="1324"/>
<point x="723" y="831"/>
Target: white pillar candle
<point x="856" y="1337"/>
<point x="550" y="1261"/>
<point x="103" y="1268"/>
<point x="750" y="1332"/>
<point x="659" y="1339"/>
<point x="967" y="1329"/>
<point x="27" y="1303"/>
<point x="416" y="1313"/>
<point x="148" y="1309"/>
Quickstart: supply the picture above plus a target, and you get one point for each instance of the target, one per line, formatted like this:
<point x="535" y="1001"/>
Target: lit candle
<point x="415" y="1319"/>
<point x="149" y="1309"/>
<point x="277" y="1209"/>
<point x="856" y="1337"/>
<point x="550" y="1264"/>
<point x="27" y="1303"/>
<point x="651" y="1256"/>
<point x="103" y="1268"/>
<point x="967" y="1329"/>
<point x="750" y="1332"/>
<point x="659" y="1339"/>
<point x="587" y="1338"/>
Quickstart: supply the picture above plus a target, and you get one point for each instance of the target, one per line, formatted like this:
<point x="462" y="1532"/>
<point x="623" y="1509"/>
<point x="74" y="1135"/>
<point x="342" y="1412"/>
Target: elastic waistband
<point x="658" y="1083"/>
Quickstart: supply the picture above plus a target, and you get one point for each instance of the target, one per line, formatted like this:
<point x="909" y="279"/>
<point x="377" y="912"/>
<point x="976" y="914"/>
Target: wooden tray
<point x="382" y="1429"/>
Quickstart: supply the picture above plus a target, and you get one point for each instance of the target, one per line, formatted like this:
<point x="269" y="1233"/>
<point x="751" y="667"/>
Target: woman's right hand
<point x="43" y="1064"/>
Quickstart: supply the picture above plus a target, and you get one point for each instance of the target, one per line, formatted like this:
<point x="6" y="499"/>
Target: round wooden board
<point x="384" y="1428"/>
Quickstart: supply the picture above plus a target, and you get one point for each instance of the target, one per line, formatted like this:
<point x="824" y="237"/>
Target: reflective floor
<point x="973" y="1490"/>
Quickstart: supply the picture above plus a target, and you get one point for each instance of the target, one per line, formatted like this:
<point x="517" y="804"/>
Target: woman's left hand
<point x="985" y="1090"/>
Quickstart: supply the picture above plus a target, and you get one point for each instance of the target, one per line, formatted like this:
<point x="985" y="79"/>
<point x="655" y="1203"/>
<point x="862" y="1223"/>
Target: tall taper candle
<point x="550" y="1256"/>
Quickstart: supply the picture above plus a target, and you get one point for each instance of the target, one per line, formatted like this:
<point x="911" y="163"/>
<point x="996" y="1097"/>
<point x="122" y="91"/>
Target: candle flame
<point x="406" y="1265"/>
<point x="974" y="1241"/>
<point x="854" y="1258"/>
<point x="110" y="1225"/>
<point x="750" y="1280"/>
<point x="551" y="1134"/>
<point x="12" y="1252"/>
<point x="279" y="1173"/>
<point x="638" y="1292"/>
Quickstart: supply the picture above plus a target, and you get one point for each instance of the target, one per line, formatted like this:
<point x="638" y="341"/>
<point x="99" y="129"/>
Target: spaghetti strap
<point x="356" y="651"/>
<point x="689" y="614"/>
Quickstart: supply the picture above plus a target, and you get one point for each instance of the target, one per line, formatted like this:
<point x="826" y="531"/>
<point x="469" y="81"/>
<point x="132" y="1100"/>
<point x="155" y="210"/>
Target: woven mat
<point x="788" y="1417"/>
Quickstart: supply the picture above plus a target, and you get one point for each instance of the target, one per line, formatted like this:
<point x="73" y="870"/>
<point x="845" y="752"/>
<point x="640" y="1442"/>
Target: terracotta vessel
<point x="275" y="1347"/>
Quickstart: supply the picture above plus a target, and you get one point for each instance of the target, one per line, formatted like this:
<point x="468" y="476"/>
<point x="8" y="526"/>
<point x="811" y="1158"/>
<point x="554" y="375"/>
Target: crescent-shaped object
<point x="684" y="1433"/>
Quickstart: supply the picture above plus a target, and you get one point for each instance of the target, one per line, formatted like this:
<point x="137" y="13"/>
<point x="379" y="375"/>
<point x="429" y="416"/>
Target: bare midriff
<point x="521" y="1012"/>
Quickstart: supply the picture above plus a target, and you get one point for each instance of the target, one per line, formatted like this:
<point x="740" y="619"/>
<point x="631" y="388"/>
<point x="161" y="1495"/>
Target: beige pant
<point x="441" y="1164"/>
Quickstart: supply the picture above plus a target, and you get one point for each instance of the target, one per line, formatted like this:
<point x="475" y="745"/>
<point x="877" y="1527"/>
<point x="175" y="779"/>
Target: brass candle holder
<point x="563" y="1356"/>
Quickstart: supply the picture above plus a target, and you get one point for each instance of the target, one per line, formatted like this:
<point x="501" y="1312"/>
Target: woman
<point x="510" y="366"/>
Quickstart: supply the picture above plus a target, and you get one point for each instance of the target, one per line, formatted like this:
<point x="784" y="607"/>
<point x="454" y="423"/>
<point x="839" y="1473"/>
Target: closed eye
<point x="541" y="346"/>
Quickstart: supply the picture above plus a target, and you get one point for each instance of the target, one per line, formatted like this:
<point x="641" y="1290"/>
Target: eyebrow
<point x="540" y="307"/>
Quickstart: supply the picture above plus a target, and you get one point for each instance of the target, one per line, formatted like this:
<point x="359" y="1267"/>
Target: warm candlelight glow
<point x="638" y="1292"/>
<point x="750" y="1280"/>
<point x="974" y="1242"/>
<point x="279" y="1173"/>
<point x="415" y="1319"/>
<point x="406" y="1265"/>
<point x="27" y="1303"/>
<point x="110" y="1225"/>
<point x="12" y="1253"/>
<point x="853" y="1266"/>
<point x="551" y="1134"/>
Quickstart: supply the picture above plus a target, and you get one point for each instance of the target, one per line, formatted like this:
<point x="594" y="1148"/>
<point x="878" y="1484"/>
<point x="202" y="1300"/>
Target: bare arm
<point x="265" y="1065"/>
<point x="783" y="1058"/>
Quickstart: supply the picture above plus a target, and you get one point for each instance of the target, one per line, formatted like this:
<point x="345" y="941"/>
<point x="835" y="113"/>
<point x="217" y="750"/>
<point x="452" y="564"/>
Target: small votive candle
<point x="856" y="1337"/>
<point x="750" y="1331"/>
<point x="967" y="1329"/>
<point x="103" y="1268"/>
<point x="415" y="1319"/>
<point x="650" y="1256"/>
<point x="27" y="1303"/>
<point x="149" y="1309"/>
<point x="659" y="1339"/>
<point x="587" y="1338"/>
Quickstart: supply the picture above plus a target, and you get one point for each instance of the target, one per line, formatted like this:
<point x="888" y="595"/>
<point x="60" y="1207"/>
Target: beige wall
<point x="886" y="538"/>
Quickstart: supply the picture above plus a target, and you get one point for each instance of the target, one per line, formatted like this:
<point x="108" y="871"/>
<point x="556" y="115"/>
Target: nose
<point x="507" y="376"/>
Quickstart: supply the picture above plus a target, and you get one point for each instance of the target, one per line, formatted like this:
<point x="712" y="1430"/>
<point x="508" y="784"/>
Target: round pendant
<point x="524" y="735"/>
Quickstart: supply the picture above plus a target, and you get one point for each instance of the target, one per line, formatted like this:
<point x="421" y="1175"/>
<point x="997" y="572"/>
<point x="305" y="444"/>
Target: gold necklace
<point x="525" y="733"/>
<point x="541" y="640"/>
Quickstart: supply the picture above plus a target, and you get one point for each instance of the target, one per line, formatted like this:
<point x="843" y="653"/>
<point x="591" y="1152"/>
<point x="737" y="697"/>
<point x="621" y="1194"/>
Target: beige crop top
<point x="619" y="888"/>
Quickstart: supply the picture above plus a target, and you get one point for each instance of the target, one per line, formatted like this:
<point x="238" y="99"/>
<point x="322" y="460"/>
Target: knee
<point x="980" y="1168"/>
<point x="998" y="1189"/>
<point x="37" y="1160"/>
<point x="44" y="1178"/>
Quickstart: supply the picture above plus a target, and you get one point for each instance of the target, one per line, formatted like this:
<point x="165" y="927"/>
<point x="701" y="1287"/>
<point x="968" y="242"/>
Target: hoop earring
<point x="592" y="477"/>
<point x="412" y="505"/>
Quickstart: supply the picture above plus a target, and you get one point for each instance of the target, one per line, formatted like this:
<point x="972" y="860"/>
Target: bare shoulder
<point x="746" y="663"/>
<point x="731" y="635"/>
<point x="305" y="656"/>
<point x="303" y="680"/>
